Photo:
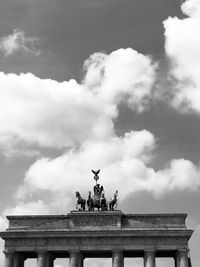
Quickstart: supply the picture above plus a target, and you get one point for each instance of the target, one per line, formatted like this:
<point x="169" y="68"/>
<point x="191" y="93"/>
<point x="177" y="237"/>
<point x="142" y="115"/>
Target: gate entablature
<point x="93" y="219"/>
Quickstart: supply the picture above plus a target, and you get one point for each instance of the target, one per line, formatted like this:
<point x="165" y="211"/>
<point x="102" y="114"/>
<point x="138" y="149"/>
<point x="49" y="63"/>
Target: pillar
<point x="81" y="260"/>
<point x="117" y="259"/>
<point x="18" y="260"/>
<point x="182" y="258"/>
<point x="50" y="260"/>
<point x="42" y="259"/>
<point x="175" y="262"/>
<point x="149" y="258"/>
<point x="8" y="261"/>
<point x="75" y="259"/>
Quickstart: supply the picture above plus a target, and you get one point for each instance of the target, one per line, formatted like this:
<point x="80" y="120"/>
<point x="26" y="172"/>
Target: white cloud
<point x="48" y="113"/>
<point x="182" y="45"/>
<point x="118" y="157"/>
<point x="191" y="8"/>
<point x="18" y="41"/>
<point x="124" y="75"/>
<point x="30" y="208"/>
<point x="180" y="175"/>
<point x="3" y="223"/>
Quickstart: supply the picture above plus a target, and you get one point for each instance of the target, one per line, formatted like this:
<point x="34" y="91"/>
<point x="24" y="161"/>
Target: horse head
<point x="77" y="194"/>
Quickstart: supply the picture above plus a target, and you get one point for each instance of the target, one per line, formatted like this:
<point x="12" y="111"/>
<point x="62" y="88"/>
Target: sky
<point x="111" y="85"/>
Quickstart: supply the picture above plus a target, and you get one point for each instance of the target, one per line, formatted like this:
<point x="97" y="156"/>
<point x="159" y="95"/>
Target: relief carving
<point x="95" y="221"/>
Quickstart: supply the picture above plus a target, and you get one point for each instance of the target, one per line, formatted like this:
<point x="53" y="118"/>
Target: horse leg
<point x="111" y="205"/>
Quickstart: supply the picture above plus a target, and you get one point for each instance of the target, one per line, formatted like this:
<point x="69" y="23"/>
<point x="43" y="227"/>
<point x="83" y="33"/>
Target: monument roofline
<point x="97" y="221"/>
<point x="183" y="215"/>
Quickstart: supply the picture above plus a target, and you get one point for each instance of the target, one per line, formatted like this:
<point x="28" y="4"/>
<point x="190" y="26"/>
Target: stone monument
<point x="96" y="231"/>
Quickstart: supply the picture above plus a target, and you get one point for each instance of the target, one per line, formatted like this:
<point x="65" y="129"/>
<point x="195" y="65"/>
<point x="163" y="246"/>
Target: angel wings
<point x="96" y="172"/>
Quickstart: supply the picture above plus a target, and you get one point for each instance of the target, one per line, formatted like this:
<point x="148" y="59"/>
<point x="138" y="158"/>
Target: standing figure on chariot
<point x="98" y="191"/>
<point x="98" y="200"/>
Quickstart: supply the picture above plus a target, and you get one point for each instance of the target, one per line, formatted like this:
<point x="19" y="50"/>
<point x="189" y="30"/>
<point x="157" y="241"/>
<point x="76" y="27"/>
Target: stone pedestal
<point x="149" y="258"/>
<point x="117" y="259"/>
<point x="8" y="261"/>
<point x="182" y="258"/>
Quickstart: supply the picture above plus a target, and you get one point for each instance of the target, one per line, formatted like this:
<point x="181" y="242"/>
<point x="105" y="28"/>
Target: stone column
<point x="42" y="259"/>
<point x="74" y="259"/>
<point x="8" y="261"/>
<point x="81" y="260"/>
<point x="149" y="258"/>
<point x="117" y="258"/>
<point x="50" y="260"/>
<point x="18" y="260"/>
<point x="182" y="258"/>
<point x="175" y="262"/>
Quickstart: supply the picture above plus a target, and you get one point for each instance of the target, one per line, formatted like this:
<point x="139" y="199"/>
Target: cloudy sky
<point x="110" y="84"/>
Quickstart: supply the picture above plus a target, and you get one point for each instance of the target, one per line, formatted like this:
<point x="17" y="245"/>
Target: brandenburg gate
<point x="105" y="232"/>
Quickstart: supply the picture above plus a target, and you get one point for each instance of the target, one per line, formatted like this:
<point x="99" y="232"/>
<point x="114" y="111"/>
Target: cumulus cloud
<point x="124" y="75"/>
<point x="125" y="166"/>
<point x="182" y="45"/>
<point x="49" y="113"/>
<point x="30" y="208"/>
<point x="55" y="114"/>
<point x="71" y="170"/>
<point x="18" y="41"/>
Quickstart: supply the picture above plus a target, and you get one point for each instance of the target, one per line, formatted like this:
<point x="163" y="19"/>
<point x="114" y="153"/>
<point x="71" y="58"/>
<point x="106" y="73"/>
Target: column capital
<point x="119" y="251"/>
<point x="149" y="250"/>
<point x="76" y="252"/>
<point x="183" y="250"/>
<point x="41" y="252"/>
<point x="8" y="253"/>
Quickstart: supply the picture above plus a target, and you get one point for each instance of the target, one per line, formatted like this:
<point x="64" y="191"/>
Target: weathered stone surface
<point x="97" y="232"/>
<point x="157" y="221"/>
<point x="39" y="222"/>
<point x="100" y="220"/>
<point x="96" y="220"/>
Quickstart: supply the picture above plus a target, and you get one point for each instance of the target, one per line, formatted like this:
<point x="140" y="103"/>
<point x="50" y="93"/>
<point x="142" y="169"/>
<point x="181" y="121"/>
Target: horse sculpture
<point x="103" y="202"/>
<point x="113" y="203"/>
<point x="80" y="201"/>
<point x="90" y="202"/>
